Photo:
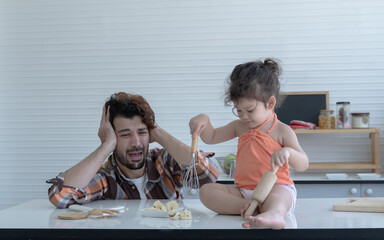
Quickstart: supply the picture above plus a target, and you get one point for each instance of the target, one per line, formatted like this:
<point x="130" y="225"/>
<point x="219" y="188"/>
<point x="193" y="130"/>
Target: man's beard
<point x="132" y="166"/>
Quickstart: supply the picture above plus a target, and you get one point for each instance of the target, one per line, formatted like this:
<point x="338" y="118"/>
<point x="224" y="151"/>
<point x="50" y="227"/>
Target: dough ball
<point x="185" y="215"/>
<point x="173" y="214"/>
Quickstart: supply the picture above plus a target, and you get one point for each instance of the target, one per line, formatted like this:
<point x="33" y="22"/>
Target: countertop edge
<point x="342" y="233"/>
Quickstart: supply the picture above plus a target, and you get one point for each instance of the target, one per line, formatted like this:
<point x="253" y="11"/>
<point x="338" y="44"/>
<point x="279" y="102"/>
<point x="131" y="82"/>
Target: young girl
<point x="264" y="144"/>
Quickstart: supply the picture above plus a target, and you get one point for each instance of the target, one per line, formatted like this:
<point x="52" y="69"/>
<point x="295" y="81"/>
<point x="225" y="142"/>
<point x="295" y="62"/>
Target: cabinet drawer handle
<point x="353" y="190"/>
<point x="369" y="191"/>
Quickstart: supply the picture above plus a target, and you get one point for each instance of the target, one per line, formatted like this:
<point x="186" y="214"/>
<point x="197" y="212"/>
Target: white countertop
<point x="311" y="213"/>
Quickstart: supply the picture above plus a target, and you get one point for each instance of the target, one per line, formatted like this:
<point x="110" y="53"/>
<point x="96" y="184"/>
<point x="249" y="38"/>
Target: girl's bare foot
<point x="245" y="208"/>
<point x="265" y="220"/>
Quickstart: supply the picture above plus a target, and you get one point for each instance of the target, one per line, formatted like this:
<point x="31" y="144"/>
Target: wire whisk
<point x="191" y="178"/>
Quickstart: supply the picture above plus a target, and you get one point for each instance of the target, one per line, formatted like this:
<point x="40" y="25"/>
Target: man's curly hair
<point x="129" y="106"/>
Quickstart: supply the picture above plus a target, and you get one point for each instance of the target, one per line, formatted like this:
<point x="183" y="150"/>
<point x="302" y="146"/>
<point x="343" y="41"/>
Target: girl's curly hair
<point x="256" y="80"/>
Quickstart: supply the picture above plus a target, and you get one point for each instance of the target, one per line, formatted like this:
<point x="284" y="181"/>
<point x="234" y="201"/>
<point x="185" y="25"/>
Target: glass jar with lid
<point x="326" y="119"/>
<point x="360" y="120"/>
<point x="343" y="115"/>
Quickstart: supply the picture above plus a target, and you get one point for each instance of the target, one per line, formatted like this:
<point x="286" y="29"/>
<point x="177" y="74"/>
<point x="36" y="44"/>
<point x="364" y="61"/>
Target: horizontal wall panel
<point x="60" y="61"/>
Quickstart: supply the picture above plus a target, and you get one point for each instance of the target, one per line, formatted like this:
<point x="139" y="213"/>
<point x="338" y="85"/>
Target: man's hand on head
<point x="154" y="134"/>
<point x="106" y="132"/>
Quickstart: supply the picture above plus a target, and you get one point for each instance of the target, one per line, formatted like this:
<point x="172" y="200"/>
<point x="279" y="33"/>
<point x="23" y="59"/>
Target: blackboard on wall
<point x="304" y="106"/>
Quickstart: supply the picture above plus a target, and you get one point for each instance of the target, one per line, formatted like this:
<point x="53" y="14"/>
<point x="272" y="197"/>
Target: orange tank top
<point x="253" y="158"/>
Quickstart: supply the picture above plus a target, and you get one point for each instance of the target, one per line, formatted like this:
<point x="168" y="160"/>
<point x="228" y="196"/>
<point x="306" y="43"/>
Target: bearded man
<point x="123" y="166"/>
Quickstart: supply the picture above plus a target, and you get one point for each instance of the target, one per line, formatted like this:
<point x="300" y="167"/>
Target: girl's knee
<point x="206" y="190"/>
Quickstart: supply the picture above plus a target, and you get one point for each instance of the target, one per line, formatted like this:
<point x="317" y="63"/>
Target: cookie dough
<point x="160" y="206"/>
<point x="172" y="205"/>
<point x="185" y="215"/>
<point x="173" y="214"/>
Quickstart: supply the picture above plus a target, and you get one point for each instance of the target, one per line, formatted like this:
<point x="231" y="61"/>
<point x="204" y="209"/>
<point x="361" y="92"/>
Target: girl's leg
<point x="273" y="211"/>
<point x="222" y="199"/>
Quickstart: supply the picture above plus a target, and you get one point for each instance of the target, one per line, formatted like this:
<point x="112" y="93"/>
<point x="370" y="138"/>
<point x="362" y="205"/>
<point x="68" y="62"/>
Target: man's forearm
<point x="82" y="173"/>
<point x="179" y="151"/>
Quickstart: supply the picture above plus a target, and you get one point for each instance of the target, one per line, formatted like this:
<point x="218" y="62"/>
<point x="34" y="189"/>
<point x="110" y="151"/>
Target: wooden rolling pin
<point x="261" y="191"/>
<point x="85" y="212"/>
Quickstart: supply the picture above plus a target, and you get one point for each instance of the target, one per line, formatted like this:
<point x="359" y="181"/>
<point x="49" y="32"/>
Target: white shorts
<point x="247" y="194"/>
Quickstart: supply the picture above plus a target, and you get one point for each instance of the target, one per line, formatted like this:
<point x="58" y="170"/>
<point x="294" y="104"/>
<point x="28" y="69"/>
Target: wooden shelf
<point x="374" y="164"/>
<point x="343" y="165"/>
<point x="357" y="130"/>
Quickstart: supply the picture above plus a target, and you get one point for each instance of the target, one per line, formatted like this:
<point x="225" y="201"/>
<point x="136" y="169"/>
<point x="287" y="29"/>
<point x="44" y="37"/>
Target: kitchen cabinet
<point x="324" y="189"/>
<point x="340" y="190"/>
<point x="372" y="190"/>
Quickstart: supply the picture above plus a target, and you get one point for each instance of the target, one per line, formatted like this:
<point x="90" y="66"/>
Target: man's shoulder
<point x="155" y="153"/>
<point x="108" y="167"/>
<point x="161" y="156"/>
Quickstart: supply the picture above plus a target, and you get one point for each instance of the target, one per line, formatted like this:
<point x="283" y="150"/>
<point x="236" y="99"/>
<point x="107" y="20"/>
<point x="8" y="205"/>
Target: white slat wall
<point x="60" y="60"/>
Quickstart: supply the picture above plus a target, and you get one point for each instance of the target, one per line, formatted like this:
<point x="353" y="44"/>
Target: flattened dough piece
<point x="159" y="205"/>
<point x="172" y="205"/>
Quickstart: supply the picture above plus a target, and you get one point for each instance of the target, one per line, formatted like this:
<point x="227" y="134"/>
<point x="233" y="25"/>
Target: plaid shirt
<point x="164" y="181"/>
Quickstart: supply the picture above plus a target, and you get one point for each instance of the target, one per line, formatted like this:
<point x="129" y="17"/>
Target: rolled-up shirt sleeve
<point x="206" y="168"/>
<point x="62" y="196"/>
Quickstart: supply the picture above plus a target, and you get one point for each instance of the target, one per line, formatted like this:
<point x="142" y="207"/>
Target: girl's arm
<point x="291" y="153"/>
<point x="201" y="125"/>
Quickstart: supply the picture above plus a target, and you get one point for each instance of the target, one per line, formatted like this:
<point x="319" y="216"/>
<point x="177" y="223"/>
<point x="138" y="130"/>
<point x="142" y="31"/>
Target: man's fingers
<point x="108" y="114"/>
<point x="103" y="114"/>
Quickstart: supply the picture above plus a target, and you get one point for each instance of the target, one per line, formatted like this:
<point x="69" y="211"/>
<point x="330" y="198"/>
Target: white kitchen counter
<point x="38" y="217"/>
